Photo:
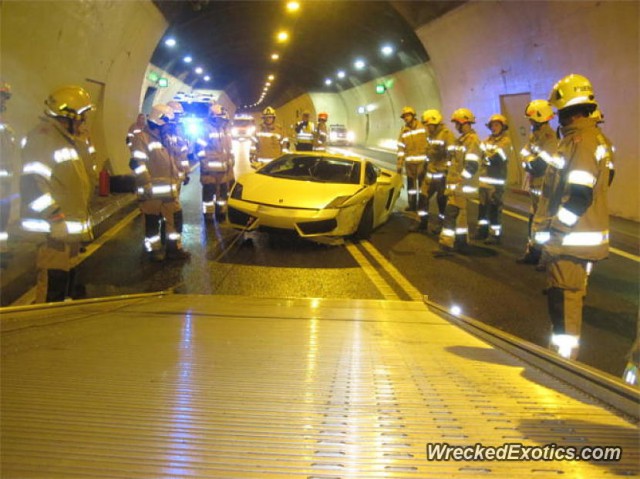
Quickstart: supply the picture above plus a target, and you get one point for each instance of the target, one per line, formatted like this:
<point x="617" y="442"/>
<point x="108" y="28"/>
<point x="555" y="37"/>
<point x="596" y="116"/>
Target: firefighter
<point x="574" y="225"/>
<point x="412" y="156"/>
<point x="535" y="154"/>
<point x="321" y="133"/>
<point x="214" y="153"/>
<point x="176" y="142"/>
<point x="439" y="141"/>
<point x="157" y="180"/>
<point x="9" y="173"/>
<point x="497" y="149"/>
<point x="55" y="192"/>
<point x="269" y="141"/>
<point x="466" y="154"/>
<point x="304" y="133"/>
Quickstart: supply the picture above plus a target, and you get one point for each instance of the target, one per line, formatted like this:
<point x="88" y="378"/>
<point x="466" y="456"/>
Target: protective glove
<point x="186" y="180"/>
<point x="59" y="230"/>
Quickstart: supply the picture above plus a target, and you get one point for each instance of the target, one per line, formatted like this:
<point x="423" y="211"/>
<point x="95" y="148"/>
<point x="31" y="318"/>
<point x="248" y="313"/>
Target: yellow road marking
<point x="404" y="283"/>
<point x="370" y="271"/>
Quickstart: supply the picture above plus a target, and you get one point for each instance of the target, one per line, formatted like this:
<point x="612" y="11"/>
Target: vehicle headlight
<point x="251" y="130"/>
<point x="337" y="202"/>
<point x="236" y="193"/>
<point x="193" y="129"/>
<point x="351" y="136"/>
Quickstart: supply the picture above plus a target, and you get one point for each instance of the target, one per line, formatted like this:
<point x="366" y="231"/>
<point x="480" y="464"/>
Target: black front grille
<point x="318" y="227"/>
<point x="239" y="218"/>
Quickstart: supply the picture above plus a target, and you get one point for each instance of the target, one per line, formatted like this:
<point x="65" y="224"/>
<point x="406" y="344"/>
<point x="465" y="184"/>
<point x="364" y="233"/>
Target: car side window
<point x="370" y="174"/>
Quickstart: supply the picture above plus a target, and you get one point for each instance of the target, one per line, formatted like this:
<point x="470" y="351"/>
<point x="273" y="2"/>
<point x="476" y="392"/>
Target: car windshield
<point x="314" y="168"/>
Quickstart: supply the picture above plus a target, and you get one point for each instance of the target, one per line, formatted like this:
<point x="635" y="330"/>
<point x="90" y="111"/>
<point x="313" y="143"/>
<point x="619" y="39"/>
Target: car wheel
<point x="365" y="227"/>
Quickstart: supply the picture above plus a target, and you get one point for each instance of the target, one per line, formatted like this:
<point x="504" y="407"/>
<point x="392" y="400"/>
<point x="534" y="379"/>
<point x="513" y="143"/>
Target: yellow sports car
<point x="320" y="196"/>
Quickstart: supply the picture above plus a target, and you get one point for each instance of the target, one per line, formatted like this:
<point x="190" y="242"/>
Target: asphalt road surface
<point x="486" y="284"/>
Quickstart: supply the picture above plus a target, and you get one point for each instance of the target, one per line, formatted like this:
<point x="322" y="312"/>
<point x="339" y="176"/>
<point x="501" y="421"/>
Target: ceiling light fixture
<point x="275" y="57"/>
<point x="327" y="81"/>
<point x="293" y="6"/>
<point x="359" y="64"/>
<point x="341" y="74"/>
<point x="386" y="50"/>
<point x="282" y="36"/>
<point x="199" y="70"/>
<point x="170" y="42"/>
<point x="187" y="59"/>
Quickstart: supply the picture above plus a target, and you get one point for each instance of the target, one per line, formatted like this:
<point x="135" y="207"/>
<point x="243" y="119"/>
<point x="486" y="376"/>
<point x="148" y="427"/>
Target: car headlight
<point x="251" y="130"/>
<point x="351" y="136"/>
<point x="337" y="202"/>
<point x="236" y="193"/>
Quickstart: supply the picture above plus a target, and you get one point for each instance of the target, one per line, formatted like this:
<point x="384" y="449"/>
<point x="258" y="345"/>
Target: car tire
<point x="365" y="227"/>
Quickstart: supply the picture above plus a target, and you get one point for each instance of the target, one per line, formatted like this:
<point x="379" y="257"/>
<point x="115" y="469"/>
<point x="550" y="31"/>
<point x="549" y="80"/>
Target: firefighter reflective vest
<point x="157" y="176"/>
<point x="54" y="187"/>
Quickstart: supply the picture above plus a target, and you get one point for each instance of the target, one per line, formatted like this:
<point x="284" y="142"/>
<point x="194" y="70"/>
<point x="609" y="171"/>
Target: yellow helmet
<point x="161" y="114"/>
<point x="539" y="111"/>
<point x="499" y="118"/>
<point x="463" y="115"/>
<point x="268" y="111"/>
<point x="407" y="110"/>
<point x="176" y="106"/>
<point x="432" y="117"/>
<point x="69" y="102"/>
<point x="572" y="90"/>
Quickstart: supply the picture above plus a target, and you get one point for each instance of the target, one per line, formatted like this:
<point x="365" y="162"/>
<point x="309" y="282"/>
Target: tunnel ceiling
<point x="233" y="41"/>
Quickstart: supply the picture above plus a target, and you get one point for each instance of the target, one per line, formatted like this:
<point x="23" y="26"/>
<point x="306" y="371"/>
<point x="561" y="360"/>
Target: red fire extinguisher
<point x="103" y="184"/>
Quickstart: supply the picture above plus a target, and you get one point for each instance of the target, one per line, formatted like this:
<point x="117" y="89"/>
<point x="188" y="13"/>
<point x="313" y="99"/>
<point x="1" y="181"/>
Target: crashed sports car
<point x="320" y="196"/>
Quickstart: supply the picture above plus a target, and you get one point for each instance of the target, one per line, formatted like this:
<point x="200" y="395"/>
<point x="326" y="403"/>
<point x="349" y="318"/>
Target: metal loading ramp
<point x="233" y="387"/>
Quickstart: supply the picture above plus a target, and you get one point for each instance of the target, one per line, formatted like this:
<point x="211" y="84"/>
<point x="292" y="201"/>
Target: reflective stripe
<point x="65" y="154"/>
<point x="609" y="164"/>
<point x="152" y="243"/>
<point x="4" y="173"/>
<point x="435" y="176"/>
<point x="414" y="132"/>
<point x="492" y="181"/>
<point x="4" y="236"/>
<point x="412" y="192"/>
<point x="213" y="135"/>
<point x="401" y="145"/>
<point x="37" y="168"/>
<point x="140" y="169"/>
<point x="496" y="228"/>
<point x="436" y="142"/>
<point x="269" y="135"/>
<point x="448" y="232"/>
<point x="586" y="238"/>
<point x="401" y="154"/>
<point x="589" y="267"/>
<point x="174" y="236"/>
<point x="201" y="142"/>
<point x="162" y="189"/>
<point x="525" y="152"/>
<point x="567" y="217"/>
<point x="469" y="189"/>
<point x="453" y="148"/>
<point x="215" y="164"/>
<point x="462" y="231"/>
<point x="201" y="154"/>
<point x="141" y="155"/>
<point x="184" y="162"/>
<point x="416" y="158"/>
<point x="155" y="145"/>
<point x="556" y="161"/>
<point x="76" y="227"/>
<point x="42" y="203"/>
<point x="264" y="160"/>
<point x="471" y="157"/>
<point x="91" y="149"/>
<point x="221" y="202"/>
<point x="541" y="237"/>
<point x="423" y="213"/>
<point x="581" y="177"/>
<point x="483" y="222"/>
<point x="466" y="174"/>
<point x="35" y="225"/>
<point x="535" y="192"/>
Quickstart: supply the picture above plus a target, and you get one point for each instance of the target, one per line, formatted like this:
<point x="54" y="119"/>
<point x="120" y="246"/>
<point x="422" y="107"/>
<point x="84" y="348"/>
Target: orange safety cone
<point x="104" y="182"/>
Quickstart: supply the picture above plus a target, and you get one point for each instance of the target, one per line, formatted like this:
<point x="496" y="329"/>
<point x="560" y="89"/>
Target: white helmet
<point x="161" y="114"/>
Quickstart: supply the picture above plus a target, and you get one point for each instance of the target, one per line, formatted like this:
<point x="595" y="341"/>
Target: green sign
<point x="153" y="76"/>
<point x="380" y="89"/>
<point x="163" y="82"/>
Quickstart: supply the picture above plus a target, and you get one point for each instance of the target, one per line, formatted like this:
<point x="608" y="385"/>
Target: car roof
<point x="329" y="155"/>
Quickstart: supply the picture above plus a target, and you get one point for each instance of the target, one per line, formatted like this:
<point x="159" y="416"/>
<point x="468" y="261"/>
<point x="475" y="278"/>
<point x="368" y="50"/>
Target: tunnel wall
<point x="511" y="48"/>
<point x="103" y="46"/>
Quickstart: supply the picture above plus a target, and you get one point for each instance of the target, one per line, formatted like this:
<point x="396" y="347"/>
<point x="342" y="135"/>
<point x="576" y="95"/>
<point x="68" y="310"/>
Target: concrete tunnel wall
<point x="103" y="46"/>
<point x="509" y="51"/>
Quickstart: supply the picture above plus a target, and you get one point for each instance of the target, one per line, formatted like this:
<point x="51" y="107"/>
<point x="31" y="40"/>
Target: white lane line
<point x="30" y="296"/>
<point x="371" y="272"/>
<point x="398" y="277"/>
<point x="617" y="251"/>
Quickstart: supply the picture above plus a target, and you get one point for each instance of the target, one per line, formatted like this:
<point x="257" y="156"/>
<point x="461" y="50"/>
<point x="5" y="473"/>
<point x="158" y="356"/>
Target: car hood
<point x="286" y="193"/>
